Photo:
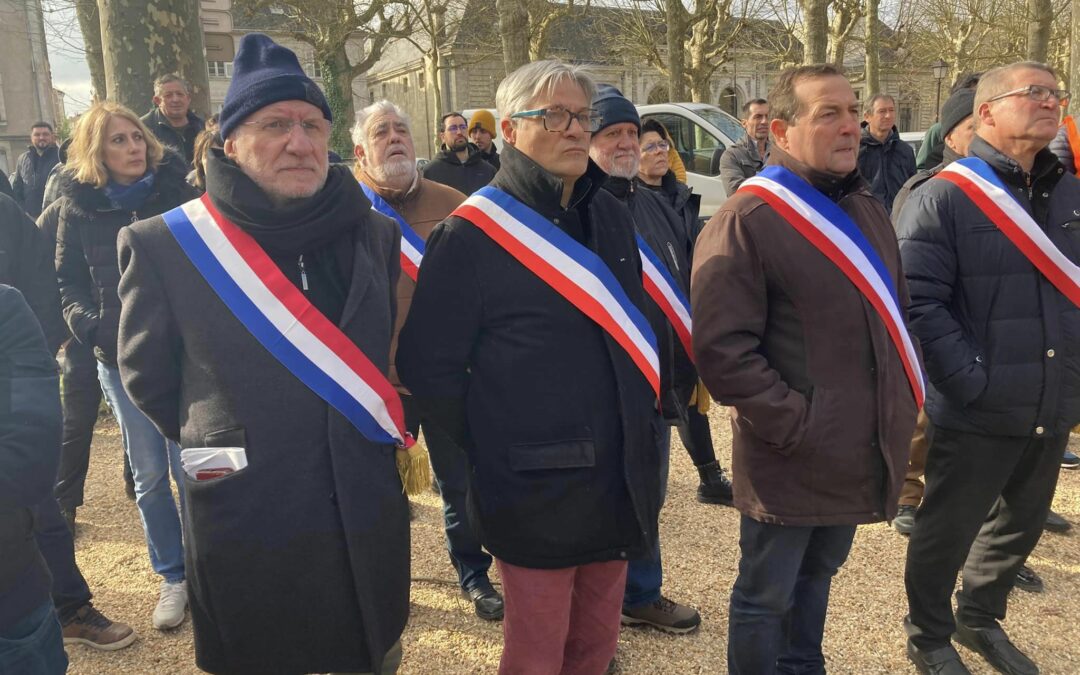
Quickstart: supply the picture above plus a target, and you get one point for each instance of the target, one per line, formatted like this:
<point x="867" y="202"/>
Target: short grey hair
<point x="364" y="115"/>
<point x="525" y="85"/>
<point x="999" y="80"/>
<point x="160" y="83"/>
<point x="869" y="107"/>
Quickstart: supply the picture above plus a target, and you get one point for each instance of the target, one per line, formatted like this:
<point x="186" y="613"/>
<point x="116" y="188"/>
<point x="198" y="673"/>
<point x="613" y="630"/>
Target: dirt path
<point x="700" y="547"/>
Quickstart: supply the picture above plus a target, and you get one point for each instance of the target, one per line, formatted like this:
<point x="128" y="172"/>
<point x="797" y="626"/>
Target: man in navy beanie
<point x="297" y="527"/>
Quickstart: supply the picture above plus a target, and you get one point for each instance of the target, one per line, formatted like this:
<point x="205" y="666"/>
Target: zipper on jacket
<point x="303" y="272"/>
<point x="134" y="217"/>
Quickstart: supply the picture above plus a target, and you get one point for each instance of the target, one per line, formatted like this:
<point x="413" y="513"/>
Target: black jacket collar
<point x="1046" y="164"/>
<point x="531" y="184"/>
<point x="171" y="173"/>
<point x="832" y="186"/>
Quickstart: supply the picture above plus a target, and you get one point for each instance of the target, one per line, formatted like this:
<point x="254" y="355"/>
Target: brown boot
<point x="92" y="628"/>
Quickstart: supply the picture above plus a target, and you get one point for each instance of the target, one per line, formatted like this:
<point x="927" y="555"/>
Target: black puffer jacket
<point x="1060" y="147"/>
<point x="466" y="177"/>
<point x="87" y="266"/>
<point x="30" y="424"/>
<point x="887" y="165"/>
<point x="31" y="175"/>
<point x="1002" y="345"/>
<point x="685" y="203"/>
<point x="558" y="424"/>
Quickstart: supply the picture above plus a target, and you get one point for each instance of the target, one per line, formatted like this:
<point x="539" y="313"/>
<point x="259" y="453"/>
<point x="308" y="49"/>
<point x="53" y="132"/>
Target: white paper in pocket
<point x="207" y="463"/>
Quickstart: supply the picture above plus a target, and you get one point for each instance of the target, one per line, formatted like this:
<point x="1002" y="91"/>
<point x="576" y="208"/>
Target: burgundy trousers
<point x="561" y="621"/>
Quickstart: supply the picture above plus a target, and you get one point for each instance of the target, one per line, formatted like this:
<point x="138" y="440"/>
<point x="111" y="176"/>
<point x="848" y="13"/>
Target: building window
<point x="313" y="70"/>
<point x="219" y="68"/>
<point x="420" y="79"/>
<point x="384" y="90"/>
<point x="405" y="83"/>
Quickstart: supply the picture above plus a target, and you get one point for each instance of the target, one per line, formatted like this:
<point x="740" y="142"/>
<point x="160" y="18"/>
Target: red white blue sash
<point x="279" y="316"/>
<point x="570" y="269"/>
<point x="412" y="246"/>
<point x="831" y="231"/>
<point x="983" y="187"/>
<point x="667" y="295"/>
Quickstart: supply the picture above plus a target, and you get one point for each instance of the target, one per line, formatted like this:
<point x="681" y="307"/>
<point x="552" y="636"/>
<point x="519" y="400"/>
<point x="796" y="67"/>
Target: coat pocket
<point x="230" y="437"/>
<point x="574" y="454"/>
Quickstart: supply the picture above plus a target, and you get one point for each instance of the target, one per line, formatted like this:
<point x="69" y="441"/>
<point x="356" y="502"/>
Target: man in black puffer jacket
<point x="30" y="639"/>
<point x="459" y="164"/>
<point x="885" y="161"/>
<point x="1004" y="368"/>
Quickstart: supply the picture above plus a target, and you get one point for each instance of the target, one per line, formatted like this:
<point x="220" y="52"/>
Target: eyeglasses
<point x="316" y="129"/>
<point x="559" y="119"/>
<point x="658" y="146"/>
<point x="1036" y="92"/>
<point x="454" y="128"/>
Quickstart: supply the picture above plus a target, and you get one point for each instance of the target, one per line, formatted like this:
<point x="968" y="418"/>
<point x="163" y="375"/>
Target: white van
<point x="701" y="133"/>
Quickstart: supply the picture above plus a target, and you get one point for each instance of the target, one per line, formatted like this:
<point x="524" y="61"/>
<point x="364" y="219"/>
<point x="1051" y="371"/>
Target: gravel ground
<point x="700" y="542"/>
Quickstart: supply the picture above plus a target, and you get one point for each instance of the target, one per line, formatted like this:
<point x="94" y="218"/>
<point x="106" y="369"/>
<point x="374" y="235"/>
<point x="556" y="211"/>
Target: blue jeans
<point x="644" y="576"/>
<point x="781" y="596"/>
<point x="35" y="645"/>
<point x="452" y="477"/>
<point x="54" y="540"/>
<point x="151" y="456"/>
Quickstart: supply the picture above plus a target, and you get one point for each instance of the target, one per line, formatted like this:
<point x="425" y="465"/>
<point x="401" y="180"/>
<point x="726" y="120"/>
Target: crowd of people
<point x="273" y="330"/>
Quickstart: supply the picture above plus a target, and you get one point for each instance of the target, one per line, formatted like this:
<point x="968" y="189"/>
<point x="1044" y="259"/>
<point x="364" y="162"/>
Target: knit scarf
<point x="130" y="197"/>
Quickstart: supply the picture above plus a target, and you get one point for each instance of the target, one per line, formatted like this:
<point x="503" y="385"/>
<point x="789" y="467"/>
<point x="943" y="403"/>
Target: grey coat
<point x="299" y="562"/>
<point x="739" y="162"/>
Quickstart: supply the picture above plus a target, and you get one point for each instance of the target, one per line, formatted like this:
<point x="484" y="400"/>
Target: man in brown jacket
<point x="386" y="168"/>
<point x="822" y="410"/>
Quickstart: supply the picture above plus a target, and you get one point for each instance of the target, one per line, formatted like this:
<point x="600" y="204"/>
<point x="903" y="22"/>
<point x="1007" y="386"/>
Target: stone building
<point x="223" y="28"/>
<point x="26" y="94"/>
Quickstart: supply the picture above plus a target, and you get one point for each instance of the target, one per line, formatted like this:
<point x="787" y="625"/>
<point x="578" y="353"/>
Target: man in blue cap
<point x="297" y="525"/>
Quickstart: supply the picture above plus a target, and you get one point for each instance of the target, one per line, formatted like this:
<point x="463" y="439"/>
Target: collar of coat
<point x="448" y="155"/>
<point x="869" y="138"/>
<point x="395" y="197"/>
<point x="538" y="189"/>
<point x="170" y="180"/>
<point x="1045" y="167"/>
<point x="832" y="186"/>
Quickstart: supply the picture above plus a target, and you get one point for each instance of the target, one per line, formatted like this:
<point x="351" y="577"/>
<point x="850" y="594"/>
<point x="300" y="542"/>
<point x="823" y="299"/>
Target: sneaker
<point x="904" y="522"/>
<point x="1027" y="580"/>
<point x="665" y="615"/>
<point x="172" y="601"/>
<point x="1070" y="461"/>
<point x="1055" y="523"/>
<point x="90" y="627"/>
<point x="715" y="488"/>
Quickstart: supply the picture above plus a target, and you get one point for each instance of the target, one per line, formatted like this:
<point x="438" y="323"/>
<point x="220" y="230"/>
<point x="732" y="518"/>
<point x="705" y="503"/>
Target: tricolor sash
<point x="570" y="269"/>
<point x="412" y="246"/>
<point x="982" y="186"/>
<point x="835" y="234"/>
<point x="667" y="295"/>
<point x="286" y="323"/>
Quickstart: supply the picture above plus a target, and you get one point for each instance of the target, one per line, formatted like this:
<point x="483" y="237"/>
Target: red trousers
<point x="563" y="621"/>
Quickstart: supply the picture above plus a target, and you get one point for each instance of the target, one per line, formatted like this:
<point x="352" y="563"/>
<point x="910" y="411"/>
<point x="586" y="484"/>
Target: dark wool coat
<point x="26" y="262"/>
<point x="1002" y="344"/>
<point x="823" y="412"/>
<point x="299" y="562"/>
<point x="30" y="427"/>
<point x="86" y="266"/>
<point x="559" y="426"/>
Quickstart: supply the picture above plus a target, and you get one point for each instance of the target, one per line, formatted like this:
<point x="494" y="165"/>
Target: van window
<point x="700" y="150"/>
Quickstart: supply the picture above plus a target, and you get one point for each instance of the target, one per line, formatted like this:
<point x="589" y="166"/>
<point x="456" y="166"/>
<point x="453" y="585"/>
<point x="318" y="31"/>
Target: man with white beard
<point x="386" y="169"/>
<point x="615" y="149"/>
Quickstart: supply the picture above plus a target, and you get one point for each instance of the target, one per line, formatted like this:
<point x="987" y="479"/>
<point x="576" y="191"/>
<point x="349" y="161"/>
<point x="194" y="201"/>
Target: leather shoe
<point x="486" y="600"/>
<point x="942" y="661"/>
<point x="994" y="646"/>
<point x="1055" y="523"/>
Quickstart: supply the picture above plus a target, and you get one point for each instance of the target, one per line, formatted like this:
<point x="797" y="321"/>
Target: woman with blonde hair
<point x="118" y="173"/>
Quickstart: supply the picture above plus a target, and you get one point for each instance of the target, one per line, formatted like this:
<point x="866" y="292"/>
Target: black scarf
<point x="307" y="225"/>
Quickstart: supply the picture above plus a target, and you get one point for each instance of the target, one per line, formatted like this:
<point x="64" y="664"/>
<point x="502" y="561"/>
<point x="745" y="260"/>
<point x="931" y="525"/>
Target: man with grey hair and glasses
<point x="386" y="169"/>
<point x="990" y="248"/>
<point x="527" y="344"/>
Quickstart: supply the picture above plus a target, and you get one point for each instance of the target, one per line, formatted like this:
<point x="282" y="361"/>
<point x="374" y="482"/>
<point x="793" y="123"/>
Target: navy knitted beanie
<point x="264" y="72"/>
<point x="614" y="107"/>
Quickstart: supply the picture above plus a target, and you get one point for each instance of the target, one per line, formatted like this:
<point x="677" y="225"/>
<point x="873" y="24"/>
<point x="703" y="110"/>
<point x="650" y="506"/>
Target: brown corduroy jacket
<point x="822" y="412"/>
<point x="423" y="206"/>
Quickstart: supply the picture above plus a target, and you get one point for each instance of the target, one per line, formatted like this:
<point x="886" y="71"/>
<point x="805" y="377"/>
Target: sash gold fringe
<point x="414" y="469"/>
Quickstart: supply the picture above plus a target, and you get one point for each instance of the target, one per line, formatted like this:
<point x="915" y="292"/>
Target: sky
<point x="70" y="73"/>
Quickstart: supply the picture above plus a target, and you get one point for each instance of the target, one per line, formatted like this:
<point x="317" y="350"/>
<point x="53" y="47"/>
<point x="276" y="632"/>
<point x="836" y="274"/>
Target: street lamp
<point x="940" y="69"/>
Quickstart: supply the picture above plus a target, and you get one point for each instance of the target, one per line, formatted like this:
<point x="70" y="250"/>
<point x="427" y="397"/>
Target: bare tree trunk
<point x="338" y="77"/>
<point x="676" y="36"/>
<point x="1074" y="51"/>
<point x="1041" y="15"/>
<point x="90" y="27"/>
<point x="873" y="66"/>
<point x="141" y="42"/>
<point x="514" y="26"/>
<point x="816" y="30"/>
